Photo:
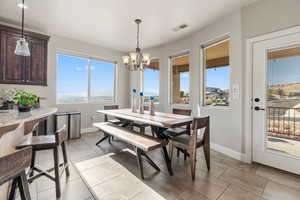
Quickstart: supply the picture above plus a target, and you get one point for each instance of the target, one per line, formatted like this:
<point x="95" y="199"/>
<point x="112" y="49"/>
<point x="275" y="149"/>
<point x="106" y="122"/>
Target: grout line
<point x="223" y="192"/>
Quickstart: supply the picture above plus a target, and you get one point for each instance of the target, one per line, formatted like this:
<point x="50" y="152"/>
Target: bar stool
<point x="48" y="142"/>
<point x="12" y="167"/>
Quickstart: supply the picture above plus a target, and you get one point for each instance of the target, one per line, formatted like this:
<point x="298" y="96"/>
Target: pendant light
<point x="22" y="48"/>
<point x="137" y="60"/>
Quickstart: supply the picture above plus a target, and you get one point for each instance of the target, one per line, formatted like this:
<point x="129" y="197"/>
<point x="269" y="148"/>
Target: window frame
<point x="187" y="52"/>
<point x="211" y="43"/>
<point x="143" y="79"/>
<point x="89" y="58"/>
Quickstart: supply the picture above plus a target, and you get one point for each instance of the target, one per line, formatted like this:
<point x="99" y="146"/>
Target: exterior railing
<point x="283" y="122"/>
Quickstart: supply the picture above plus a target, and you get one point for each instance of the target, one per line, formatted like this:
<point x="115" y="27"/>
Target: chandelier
<point x="137" y="60"/>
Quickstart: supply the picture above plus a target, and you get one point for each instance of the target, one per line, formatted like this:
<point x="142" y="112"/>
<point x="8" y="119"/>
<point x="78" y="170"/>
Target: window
<point x="180" y="86"/>
<point x="83" y="80"/>
<point x="216" y="74"/>
<point x="151" y="81"/>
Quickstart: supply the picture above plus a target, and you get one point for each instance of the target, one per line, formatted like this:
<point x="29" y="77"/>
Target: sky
<point x="218" y="77"/>
<point x="285" y="70"/>
<point x="151" y="82"/>
<point x="73" y="76"/>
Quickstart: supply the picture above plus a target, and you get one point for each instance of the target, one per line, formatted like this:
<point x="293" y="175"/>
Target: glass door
<point x="276" y="102"/>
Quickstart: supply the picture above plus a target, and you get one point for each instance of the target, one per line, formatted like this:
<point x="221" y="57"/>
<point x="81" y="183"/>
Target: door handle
<point x="258" y="108"/>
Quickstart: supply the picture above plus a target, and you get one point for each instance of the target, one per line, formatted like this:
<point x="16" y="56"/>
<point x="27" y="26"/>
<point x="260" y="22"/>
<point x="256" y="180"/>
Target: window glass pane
<point x="283" y="101"/>
<point x="72" y="85"/>
<point x="102" y="81"/>
<point x="151" y="81"/>
<point x="180" y="87"/>
<point x="217" y="74"/>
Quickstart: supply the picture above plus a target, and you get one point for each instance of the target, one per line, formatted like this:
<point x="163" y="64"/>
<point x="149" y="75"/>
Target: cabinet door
<point x="12" y="67"/>
<point x="36" y="63"/>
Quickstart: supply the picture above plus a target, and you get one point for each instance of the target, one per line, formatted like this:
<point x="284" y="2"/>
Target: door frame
<point x="248" y="75"/>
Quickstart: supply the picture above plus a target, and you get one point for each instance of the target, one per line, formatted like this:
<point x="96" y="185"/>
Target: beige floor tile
<point x="100" y="173"/>
<point x="148" y="194"/>
<point x="278" y="176"/>
<point x="236" y="193"/>
<point x="275" y="191"/>
<point x="74" y="190"/>
<point x="208" y="189"/>
<point x="123" y="186"/>
<point x="248" y="181"/>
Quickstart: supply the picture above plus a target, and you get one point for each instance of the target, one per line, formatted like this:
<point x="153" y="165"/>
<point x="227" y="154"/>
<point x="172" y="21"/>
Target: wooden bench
<point x="142" y="143"/>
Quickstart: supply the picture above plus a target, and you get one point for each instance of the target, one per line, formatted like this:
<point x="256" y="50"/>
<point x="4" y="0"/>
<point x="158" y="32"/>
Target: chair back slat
<point x="182" y="111"/>
<point x="14" y="163"/>
<point x="109" y="107"/>
<point x="200" y="123"/>
<point x="60" y="135"/>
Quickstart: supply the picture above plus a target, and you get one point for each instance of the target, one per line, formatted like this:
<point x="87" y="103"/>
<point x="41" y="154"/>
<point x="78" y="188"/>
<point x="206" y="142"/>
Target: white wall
<point x="226" y="123"/>
<point x="88" y="111"/>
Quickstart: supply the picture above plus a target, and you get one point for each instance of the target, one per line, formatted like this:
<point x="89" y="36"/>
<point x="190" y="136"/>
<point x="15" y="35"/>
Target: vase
<point x="24" y="108"/>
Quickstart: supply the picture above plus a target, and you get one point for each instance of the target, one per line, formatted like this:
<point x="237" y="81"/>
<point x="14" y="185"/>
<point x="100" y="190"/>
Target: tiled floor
<point x="228" y="179"/>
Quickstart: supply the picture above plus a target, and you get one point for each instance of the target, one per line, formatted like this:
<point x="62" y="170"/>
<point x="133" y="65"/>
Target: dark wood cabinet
<point x="30" y="70"/>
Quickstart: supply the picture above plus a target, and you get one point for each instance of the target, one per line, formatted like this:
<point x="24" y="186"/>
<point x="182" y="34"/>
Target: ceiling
<point x="110" y="23"/>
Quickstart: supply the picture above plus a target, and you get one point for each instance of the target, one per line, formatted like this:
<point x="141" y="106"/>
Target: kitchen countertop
<point x="14" y="117"/>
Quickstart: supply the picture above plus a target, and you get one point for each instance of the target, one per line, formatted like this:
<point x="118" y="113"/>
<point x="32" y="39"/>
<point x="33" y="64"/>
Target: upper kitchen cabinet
<point x="31" y="70"/>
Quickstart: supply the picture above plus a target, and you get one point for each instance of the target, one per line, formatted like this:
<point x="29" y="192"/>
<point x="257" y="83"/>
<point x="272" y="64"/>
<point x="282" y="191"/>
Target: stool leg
<point x="56" y="171"/>
<point x="23" y="187"/>
<point x="63" y="148"/>
<point x="32" y="163"/>
<point x="12" y="192"/>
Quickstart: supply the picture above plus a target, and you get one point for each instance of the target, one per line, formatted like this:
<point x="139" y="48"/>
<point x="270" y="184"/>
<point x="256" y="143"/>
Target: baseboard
<point x="227" y="151"/>
<point x="88" y="130"/>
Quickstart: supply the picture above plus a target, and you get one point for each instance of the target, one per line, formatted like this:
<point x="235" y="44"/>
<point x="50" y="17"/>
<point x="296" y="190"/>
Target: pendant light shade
<point x="22" y="48"/>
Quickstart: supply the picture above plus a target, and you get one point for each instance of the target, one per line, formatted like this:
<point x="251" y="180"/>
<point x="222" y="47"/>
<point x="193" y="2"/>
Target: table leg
<point x="160" y="134"/>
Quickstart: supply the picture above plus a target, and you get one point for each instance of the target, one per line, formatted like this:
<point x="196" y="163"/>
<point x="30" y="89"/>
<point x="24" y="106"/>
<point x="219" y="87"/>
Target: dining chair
<point x="141" y="126"/>
<point x="114" y="121"/>
<point x="180" y="130"/>
<point x="199" y="137"/>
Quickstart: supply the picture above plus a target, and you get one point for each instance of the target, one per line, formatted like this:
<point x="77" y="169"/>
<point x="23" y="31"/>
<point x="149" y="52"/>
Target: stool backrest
<point x="13" y="164"/>
<point x="182" y="111"/>
<point x="60" y="135"/>
<point x="109" y="107"/>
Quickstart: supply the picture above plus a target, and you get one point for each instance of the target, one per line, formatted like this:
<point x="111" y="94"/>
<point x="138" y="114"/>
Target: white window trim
<point x="210" y="43"/>
<point x="170" y="82"/>
<point x="89" y="58"/>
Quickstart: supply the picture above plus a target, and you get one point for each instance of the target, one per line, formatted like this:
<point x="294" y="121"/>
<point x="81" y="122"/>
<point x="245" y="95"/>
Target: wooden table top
<point x="164" y="120"/>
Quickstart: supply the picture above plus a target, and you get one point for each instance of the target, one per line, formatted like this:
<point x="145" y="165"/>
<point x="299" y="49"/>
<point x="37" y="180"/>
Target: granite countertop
<point x="13" y="116"/>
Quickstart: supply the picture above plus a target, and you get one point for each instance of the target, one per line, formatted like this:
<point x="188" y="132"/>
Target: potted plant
<point x="25" y="100"/>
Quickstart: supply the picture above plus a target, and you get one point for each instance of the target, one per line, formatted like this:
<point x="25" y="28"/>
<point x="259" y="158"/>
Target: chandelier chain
<point x="137" y="36"/>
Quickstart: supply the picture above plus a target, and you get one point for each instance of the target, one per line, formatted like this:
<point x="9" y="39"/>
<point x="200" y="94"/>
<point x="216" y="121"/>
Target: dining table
<point x="159" y="123"/>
